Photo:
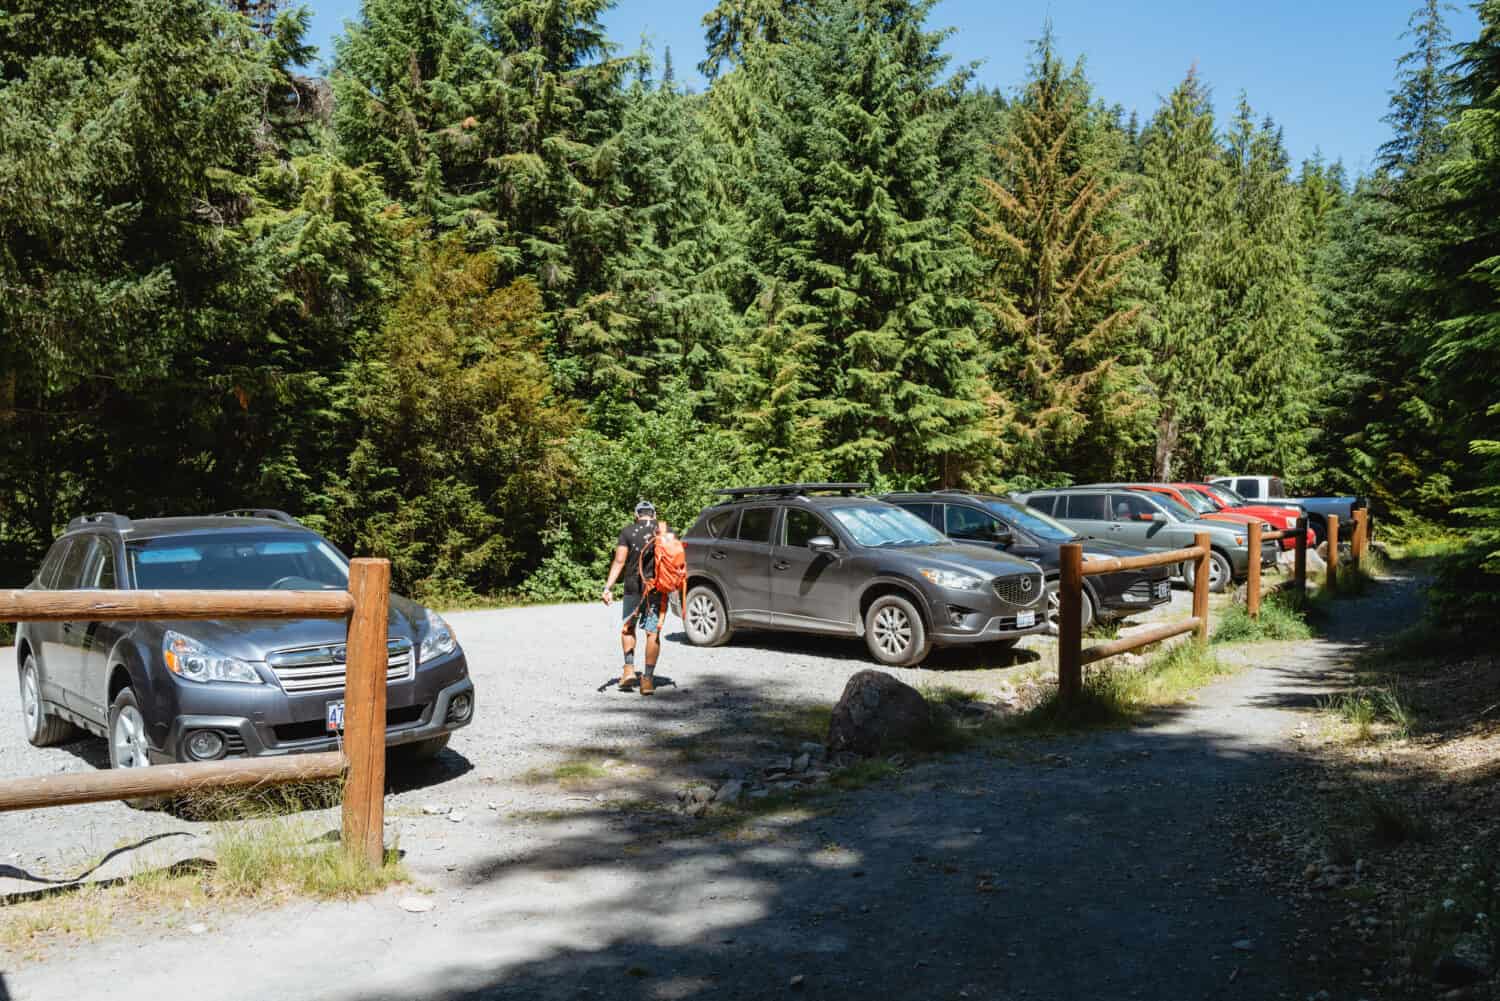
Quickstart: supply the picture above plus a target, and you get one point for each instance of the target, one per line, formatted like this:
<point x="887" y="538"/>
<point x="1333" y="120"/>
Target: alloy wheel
<point x="892" y="631"/>
<point x="31" y="698"/>
<point x="128" y="739"/>
<point x="703" y="616"/>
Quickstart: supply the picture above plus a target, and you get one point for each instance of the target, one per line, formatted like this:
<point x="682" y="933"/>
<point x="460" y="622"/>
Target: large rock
<point x="877" y="712"/>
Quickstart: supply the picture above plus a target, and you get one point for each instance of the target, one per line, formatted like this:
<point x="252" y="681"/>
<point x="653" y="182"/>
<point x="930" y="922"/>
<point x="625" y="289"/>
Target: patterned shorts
<point x="652" y="612"/>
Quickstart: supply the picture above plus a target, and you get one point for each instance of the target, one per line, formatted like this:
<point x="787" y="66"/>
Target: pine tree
<point x="733" y="26"/>
<point x="1047" y="229"/>
<point x="1183" y="206"/>
<point x="1418" y="105"/>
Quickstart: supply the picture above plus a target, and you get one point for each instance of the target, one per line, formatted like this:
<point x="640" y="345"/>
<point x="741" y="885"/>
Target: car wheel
<point x="707" y="620"/>
<point x="894" y="632"/>
<point x="420" y="750"/>
<point x="1220" y="572"/>
<point x="42" y="728"/>
<point x="1054" y="609"/>
<point x="129" y="747"/>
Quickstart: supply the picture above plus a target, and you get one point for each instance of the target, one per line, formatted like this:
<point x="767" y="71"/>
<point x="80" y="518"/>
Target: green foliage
<point x="1279" y="620"/>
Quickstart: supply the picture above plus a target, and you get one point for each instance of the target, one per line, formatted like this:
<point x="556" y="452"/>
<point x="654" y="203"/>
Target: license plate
<point x="1025" y="619"/>
<point x="335" y="716"/>
<point x="1164" y="589"/>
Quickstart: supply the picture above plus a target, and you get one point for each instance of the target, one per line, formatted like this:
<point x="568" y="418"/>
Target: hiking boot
<point x="647" y="685"/>
<point x="627" y="679"/>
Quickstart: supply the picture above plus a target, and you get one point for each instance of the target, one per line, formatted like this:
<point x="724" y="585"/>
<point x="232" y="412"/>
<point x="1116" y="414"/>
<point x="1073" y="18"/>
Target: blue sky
<point x="1322" y="68"/>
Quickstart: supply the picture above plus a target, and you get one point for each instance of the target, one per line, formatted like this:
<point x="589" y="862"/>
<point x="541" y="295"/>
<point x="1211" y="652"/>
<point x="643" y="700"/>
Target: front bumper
<point x="1133" y="590"/>
<point x="415" y="710"/>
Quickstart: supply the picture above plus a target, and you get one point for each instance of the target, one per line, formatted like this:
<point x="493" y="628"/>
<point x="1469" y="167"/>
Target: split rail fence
<point x="362" y="761"/>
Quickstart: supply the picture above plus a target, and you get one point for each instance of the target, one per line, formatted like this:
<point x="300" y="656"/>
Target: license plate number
<point x="1025" y="620"/>
<point x="335" y="716"/>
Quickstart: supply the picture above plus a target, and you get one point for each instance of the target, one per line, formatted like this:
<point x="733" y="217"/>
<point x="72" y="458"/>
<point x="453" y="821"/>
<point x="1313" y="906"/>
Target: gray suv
<point x="164" y="691"/>
<point x="1151" y="521"/>
<point x="822" y="558"/>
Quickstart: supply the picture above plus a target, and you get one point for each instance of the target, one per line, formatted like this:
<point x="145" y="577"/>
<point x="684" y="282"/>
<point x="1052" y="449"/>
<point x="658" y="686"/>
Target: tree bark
<point x="1166" y="443"/>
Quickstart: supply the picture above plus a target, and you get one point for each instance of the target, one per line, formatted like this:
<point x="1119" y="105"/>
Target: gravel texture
<point x="1091" y="866"/>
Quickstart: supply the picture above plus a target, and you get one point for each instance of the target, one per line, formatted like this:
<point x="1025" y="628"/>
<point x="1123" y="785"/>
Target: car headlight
<point x="437" y="639"/>
<point x="952" y="579"/>
<point x="192" y="661"/>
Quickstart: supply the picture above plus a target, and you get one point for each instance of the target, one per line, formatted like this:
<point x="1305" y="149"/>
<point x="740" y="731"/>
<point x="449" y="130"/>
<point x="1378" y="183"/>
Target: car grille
<point x="317" y="729"/>
<point x="1020" y="589"/>
<point x="321" y="668"/>
<point x="1144" y="591"/>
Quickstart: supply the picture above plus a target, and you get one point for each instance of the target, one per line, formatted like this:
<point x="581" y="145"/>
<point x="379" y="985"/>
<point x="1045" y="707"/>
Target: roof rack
<point x="795" y="490"/>
<point x="257" y="512"/>
<point x="103" y="519"/>
<point x="952" y="490"/>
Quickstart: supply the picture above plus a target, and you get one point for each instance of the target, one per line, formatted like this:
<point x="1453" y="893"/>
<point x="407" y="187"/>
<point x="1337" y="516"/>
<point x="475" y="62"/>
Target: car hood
<point x="253" y="639"/>
<point x="990" y="562"/>
<point x="1276" y="514"/>
<point x="1100" y="547"/>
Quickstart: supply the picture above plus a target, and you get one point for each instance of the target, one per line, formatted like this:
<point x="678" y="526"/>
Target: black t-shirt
<point x="635" y="536"/>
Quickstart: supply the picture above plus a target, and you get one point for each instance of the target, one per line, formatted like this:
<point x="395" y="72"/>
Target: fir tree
<point x="1418" y="105"/>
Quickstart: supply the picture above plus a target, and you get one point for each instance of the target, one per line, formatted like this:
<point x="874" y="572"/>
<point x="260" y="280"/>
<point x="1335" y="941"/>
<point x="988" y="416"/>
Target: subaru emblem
<point x="341" y="653"/>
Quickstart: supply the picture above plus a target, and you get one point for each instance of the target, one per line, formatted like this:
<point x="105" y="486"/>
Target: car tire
<point x="129" y="746"/>
<point x="1221" y="572"/>
<point x="420" y="750"/>
<point x="706" y="621"/>
<point x="894" y="632"/>
<point x="1054" y="608"/>
<point x="42" y="728"/>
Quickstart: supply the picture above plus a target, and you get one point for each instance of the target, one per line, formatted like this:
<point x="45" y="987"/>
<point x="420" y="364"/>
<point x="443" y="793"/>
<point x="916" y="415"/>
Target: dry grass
<point x="1114" y="695"/>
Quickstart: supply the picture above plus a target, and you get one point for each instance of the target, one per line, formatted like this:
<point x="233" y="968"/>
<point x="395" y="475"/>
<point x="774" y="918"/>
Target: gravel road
<point x="1098" y="865"/>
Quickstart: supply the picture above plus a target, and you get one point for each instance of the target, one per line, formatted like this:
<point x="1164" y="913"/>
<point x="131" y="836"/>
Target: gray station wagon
<point x="823" y="558"/>
<point x="201" y="690"/>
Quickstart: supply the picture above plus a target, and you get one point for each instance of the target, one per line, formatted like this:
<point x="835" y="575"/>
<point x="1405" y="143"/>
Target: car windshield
<point x="1031" y="520"/>
<point x="1224" y="495"/>
<point x="250" y="561"/>
<point x="1197" y="501"/>
<point x="885" y="525"/>
<point x="1176" y="509"/>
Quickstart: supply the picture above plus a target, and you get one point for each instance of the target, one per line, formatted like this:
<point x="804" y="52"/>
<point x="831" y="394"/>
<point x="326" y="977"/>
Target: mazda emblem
<point x="1026" y="583"/>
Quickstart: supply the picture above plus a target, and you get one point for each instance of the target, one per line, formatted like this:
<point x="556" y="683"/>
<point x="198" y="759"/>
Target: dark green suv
<point x="824" y="558"/>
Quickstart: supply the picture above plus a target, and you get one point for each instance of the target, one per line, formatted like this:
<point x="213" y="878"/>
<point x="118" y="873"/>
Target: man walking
<point x="635" y="539"/>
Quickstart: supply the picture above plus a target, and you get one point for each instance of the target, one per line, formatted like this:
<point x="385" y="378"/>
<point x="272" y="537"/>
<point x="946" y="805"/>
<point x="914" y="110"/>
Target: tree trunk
<point x="1166" y="444"/>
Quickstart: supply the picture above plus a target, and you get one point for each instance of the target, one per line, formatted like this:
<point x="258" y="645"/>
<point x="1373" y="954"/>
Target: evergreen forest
<point x="465" y="298"/>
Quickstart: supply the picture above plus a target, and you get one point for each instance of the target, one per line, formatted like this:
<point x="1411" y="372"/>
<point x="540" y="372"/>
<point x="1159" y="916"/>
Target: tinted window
<point x="1088" y="507"/>
<point x="252" y="561"/>
<point x="1248" y="487"/>
<point x="72" y="566"/>
<point x="802" y="526"/>
<point x="755" y="524"/>
<point x="1044" y="503"/>
<point x="927" y="512"/>
<point x="967" y="523"/>
<point x="1037" y="523"/>
<point x="1130" y="507"/>
<point x="722" y="525"/>
<point x="48" y="574"/>
<point x="1198" y="501"/>
<point x="101" y="569"/>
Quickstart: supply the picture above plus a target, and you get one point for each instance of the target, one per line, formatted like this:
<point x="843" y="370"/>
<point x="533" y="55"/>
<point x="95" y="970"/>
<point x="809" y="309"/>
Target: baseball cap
<point x="645" y="507"/>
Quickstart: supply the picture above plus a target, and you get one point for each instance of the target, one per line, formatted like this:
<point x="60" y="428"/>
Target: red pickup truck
<point x="1281" y="518"/>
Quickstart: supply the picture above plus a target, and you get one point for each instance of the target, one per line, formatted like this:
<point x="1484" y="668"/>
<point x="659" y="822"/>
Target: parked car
<point x="1001" y="523"/>
<point x="1151" y="521"/>
<point x="1212" y="513"/>
<point x="1270" y="490"/>
<point x="1206" y="496"/>
<point x="825" y="558"/>
<point x="200" y="690"/>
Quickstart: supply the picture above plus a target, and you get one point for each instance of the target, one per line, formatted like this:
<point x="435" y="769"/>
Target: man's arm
<point x="621" y="552"/>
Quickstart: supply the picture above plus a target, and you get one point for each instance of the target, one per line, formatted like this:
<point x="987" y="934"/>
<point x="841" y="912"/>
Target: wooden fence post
<point x="1070" y="622"/>
<point x="1300" y="574"/>
<point x="1200" y="587"/>
<point x="1252" y="585"/>
<point x="1331" y="580"/>
<point x="364" y="710"/>
<point x="1361" y="539"/>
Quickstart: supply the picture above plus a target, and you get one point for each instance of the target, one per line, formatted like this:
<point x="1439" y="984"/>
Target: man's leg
<point x="652" y="627"/>
<point x="627" y="640"/>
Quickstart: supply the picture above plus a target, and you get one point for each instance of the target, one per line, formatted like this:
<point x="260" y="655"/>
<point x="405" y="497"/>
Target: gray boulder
<point x="877" y="712"/>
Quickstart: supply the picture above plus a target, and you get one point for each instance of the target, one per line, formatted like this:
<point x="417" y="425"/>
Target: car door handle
<point x="782" y="565"/>
<point x="717" y="554"/>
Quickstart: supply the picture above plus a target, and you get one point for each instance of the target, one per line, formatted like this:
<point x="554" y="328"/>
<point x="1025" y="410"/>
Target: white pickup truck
<point x="1268" y="490"/>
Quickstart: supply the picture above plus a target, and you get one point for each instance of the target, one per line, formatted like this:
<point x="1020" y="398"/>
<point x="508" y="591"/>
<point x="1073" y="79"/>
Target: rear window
<point x="1088" y="507"/>
<point x="238" y="561"/>
<point x="926" y="512"/>
<point x="1044" y="503"/>
<point x="1276" y="488"/>
<point x="71" y="572"/>
<point x="755" y="524"/>
<point x="1247" y="487"/>
<point x="721" y="525"/>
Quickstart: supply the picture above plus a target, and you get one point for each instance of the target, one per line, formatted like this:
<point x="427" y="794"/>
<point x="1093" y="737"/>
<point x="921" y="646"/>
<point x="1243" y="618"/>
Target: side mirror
<point x="1001" y="534"/>
<point x="822" y="544"/>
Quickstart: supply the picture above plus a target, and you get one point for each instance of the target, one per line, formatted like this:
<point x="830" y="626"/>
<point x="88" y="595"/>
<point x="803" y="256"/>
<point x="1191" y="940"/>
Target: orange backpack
<point x="670" y="559"/>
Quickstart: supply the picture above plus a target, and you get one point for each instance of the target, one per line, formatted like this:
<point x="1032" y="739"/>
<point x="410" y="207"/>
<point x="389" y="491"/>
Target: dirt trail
<point x="1095" y="866"/>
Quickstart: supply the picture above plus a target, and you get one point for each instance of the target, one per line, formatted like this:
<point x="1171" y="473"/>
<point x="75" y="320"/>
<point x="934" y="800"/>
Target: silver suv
<point x="823" y="558"/>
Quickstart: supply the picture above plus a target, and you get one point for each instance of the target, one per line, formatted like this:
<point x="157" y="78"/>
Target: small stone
<point x="796" y="982"/>
<point x="437" y="810"/>
<point x="1244" y="945"/>
<point x="766" y="743"/>
<point x="198" y="929"/>
<point x="415" y="905"/>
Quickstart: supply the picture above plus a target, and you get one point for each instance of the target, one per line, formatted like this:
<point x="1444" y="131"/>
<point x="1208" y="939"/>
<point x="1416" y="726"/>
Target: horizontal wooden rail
<point x="1134" y="642"/>
<point x="1092" y="568"/>
<point x="98" y="606"/>
<point x="167" y="780"/>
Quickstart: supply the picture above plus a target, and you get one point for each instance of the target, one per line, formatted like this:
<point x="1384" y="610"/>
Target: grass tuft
<point x="1114" y="696"/>
<point x="1279" y="621"/>
<point x="1366" y="708"/>
<point x="863" y="773"/>
<point x="568" y="773"/>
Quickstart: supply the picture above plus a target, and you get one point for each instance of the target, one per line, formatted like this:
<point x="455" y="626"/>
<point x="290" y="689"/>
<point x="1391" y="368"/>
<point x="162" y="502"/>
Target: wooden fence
<point x="362" y="760"/>
<point x="1071" y="654"/>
